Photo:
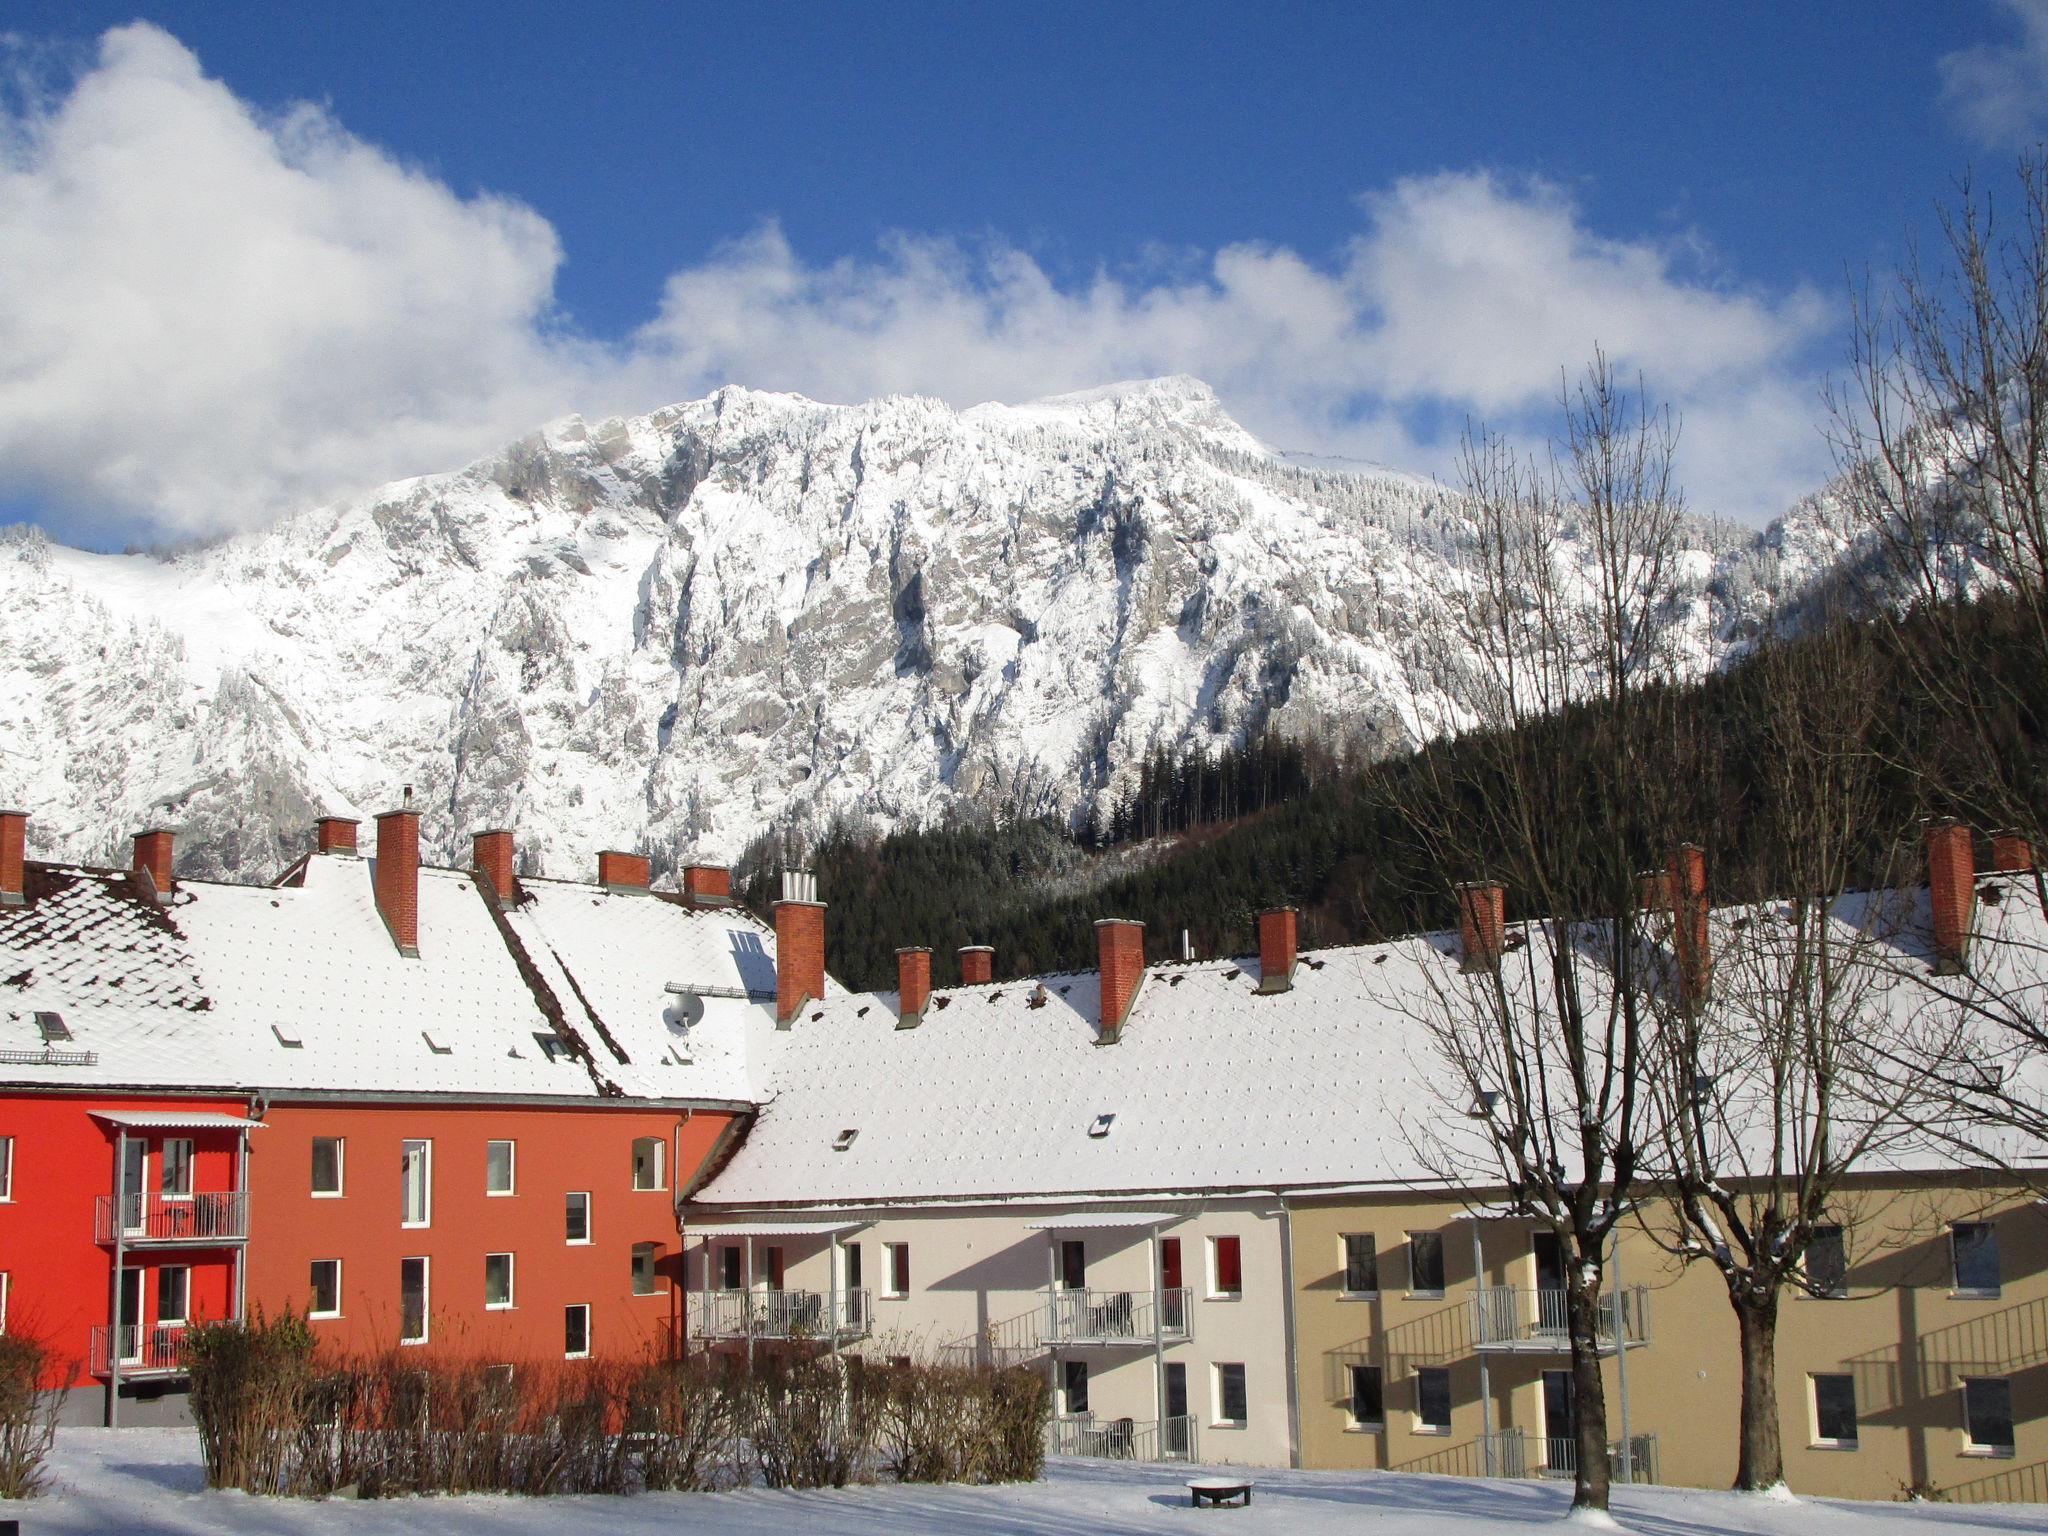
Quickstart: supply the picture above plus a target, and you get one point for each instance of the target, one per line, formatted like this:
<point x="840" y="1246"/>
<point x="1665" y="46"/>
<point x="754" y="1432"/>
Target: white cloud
<point x="207" y="316"/>
<point x="1999" y="92"/>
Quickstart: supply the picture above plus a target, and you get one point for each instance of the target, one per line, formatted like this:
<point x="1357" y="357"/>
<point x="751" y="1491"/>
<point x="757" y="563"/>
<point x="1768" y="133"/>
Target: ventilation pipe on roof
<point x="1278" y="935"/>
<point x="2011" y="853"/>
<point x="1482" y="924"/>
<point x="335" y="834"/>
<point x="799" y="946"/>
<point x="152" y="863"/>
<point x="1120" y="960"/>
<point x="623" y="871"/>
<point x="977" y="964"/>
<point x="491" y="856"/>
<point x="913" y="985"/>
<point x="1653" y="891"/>
<point x="1951" y="891"/>
<point x="707" y="885"/>
<point x="1686" y="884"/>
<point x="395" y="876"/>
<point x="13" y="858"/>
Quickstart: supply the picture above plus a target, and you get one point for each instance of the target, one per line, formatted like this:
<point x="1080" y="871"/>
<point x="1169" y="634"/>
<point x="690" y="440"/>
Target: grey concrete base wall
<point x="144" y="1405"/>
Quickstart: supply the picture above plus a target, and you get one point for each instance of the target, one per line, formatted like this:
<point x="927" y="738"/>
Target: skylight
<point x="844" y="1139"/>
<point x="53" y="1026"/>
<point x="1102" y="1125"/>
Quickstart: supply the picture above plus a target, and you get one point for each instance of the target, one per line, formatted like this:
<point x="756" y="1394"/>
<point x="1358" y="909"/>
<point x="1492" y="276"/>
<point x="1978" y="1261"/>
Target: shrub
<point x="28" y="1416"/>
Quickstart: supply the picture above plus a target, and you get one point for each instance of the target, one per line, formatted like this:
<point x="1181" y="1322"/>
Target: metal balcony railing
<point x="144" y="1351"/>
<point x="1115" y="1317"/>
<point x="1123" y="1439"/>
<point x="1512" y="1453"/>
<point x="147" y="1218"/>
<point x="781" y="1314"/>
<point x="1507" y="1317"/>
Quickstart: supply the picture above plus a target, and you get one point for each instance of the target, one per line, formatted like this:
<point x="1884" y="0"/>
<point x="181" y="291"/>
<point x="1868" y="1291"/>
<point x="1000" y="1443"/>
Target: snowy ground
<point x="129" y="1482"/>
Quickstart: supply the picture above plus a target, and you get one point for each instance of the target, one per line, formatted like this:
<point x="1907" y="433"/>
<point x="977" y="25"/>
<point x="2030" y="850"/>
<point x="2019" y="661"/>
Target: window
<point x="1425" y="1263"/>
<point x="1432" y="1399"/>
<point x="576" y="1217"/>
<point x="1834" y="1411"/>
<point x="1226" y="1266"/>
<point x="417" y="1184"/>
<point x="1367" y="1405"/>
<point x="325" y="1284"/>
<point x="1987" y="1415"/>
<point x="576" y="1331"/>
<point x="729" y="1268"/>
<point x="1973" y="1245"/>
<point x="174" y="1167"/>
<point x="412" y="1301"/>
<point x="1361" y="1264"/>
<point x="6" y="1167"/>
<point x="1074" y="1386"/>
<point x="647" y="1163"/>
<point x="1073" y="1265"/>
<point x="327" y="1165"/>
<point x="775" y="1272"/>
<point x="500" y="1159"/>
<point x="645" y="1257"/>
<point x="1230" y="1399"/>
<point x="5" y="1281"/>
<point x="899" y="1268"/>
<point x="851" y="1258"/>
<point x="497" y="1281"/>
<point x="173" y="1293"/>
<point x="1827" y="1264"/>
<point x="1169" y="1263"/>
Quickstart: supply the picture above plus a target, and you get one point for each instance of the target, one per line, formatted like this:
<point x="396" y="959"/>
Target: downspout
<point x="1158" y="1346"/>
<point x="1287" y="1333"/>
<point x="242" y="1249"/>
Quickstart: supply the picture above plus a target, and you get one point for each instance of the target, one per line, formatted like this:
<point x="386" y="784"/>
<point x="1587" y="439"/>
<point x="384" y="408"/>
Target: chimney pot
<point x="2011" y="853"/>
<point x="491" y="855"/>
<point x="152" y="863"/>
<point x="1686" y="888"/>
<point x="1951" y="891"/>
<point x="1653" y="891"/>
<point x="708" y="885"/>
<point x="334" y="834"/>
<point x="913" y="985"/>
<point x="977" y="964"/>
<point x="13" y="858"/>
<point x="1278" y="935"/>
<point x="396" y="878"/>
<point x="1120" y="962"/>
<point x="623" y="871"/>
<point x="799" y="948"/>
<point x="1482" y="924"/>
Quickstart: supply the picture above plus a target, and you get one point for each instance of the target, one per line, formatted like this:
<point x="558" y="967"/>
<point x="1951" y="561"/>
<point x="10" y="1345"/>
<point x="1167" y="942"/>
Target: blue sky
<point x="264" y="254"/>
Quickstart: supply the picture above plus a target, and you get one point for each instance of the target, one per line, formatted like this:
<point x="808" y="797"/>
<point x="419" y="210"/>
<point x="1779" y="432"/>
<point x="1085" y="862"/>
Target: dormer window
<point x="844" y="1139"/>
<point x="1101" y="1125"/>
<point x="52" y="1026"/>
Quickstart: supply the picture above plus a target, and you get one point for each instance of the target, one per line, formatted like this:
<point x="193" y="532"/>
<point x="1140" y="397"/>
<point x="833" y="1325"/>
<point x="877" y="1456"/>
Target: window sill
<point x="1990" y="1452"/>
<point x="322" y="1317"/>
<point x="894" y="1296"/>
<point x="499" y="1306"/>
<point x="1224" y="1296"/>
<point x="1433" y="1431"/>
<point x="1988" y="1295"/>
<point x="1425" y="1295"/>
<point x="410" y="1343"/>
<point x="1365" y="1429"/>
<point x="325" y="1194"/>
<point x="1227" y="1423"/>
<point x="576" y="1242"/>
<point x="1832" y="1445"/>
<point x="499" y="1194"/>
<point x="582" y="1354"/>
<point x="1358" y="1295"/>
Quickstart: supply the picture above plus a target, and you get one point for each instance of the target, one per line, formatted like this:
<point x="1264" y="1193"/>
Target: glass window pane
<point x="498" y="1170"/>
<point x="645" y="1256"/>
<point x="1975" y="1247"/>
<point x="1827" y="1261"/>
<point x="412" y="1300"/>
<point x="576" y="1217"/>
<point x="497" y="1279"/>
<point x="417" y="1183"/>
<point x="1425" y="1261"/>
<point x="175" y="1167"/>
<point x="326" y="1286"/>
<point x="576" y="1330"/>
<point x="1230" y="1394"/>
<point x="1834" y="1407"/>
<point x="1433" y="1397"/>
<point x="1987" y="1412"/>
<point x="1361" y="1263"/>
<point x="326" y="1165"/>
<point x="1367" y="1404"/>
<point x="1076" y="1386"/>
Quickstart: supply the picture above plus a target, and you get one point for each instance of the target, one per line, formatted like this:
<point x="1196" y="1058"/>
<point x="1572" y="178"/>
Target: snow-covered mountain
<point x="676" y="631"/>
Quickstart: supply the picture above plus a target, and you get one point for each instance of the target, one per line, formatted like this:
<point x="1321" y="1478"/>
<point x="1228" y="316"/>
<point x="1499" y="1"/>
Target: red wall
<point x="559" y="1150"/>
<point x="60" y="1278"/>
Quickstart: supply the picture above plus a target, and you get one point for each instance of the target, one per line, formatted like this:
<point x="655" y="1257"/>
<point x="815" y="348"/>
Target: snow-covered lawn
<point x="129" y="1482"/>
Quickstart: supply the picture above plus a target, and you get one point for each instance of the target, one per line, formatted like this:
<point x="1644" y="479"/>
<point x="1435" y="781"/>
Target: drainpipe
<point x="1287" y="1332"/>
<point x="242" y="1249"/>
<point x="1485" y="1371"/>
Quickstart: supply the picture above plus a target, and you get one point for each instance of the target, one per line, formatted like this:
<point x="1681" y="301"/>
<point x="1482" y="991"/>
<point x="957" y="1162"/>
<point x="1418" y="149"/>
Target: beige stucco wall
<point x="1901" y="1334"/>
<point x="986" y="1270"/>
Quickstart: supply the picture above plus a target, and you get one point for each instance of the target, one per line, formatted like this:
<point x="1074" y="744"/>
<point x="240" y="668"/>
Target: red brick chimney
<point x="1482" y="924"/>
<point x="1120" y="960"/>
<point x="1686" y="885"/>
<point x="335" y="834"/>
<point x="623" y="871"/>
<point x="913" y="985"/>
<point x="152" y="863"/>
<point x="396" y="877"/>
<point x="977" y="964"/>
<point x="799" y="946"/>
<point x="1951" y="891"/>
<point x="1653" y="891"/>
<point x="707" y="885"/>
<point x="491" y="857"/>
<point x="1277" y="946"/>
<point x="2011" y="853"/>
<point x="13" y="858"/>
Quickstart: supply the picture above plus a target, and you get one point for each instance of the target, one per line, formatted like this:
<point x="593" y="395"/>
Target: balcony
<point x="1116" y="1317"/>
<point x="158" y="1351"/>
<point x="1511" y="1453"/>
<point x="782" y="1315"/>
<point x="148" y="1219"/>
<point x="1123" y="1439"/>
<point x="1513" y="1320"/>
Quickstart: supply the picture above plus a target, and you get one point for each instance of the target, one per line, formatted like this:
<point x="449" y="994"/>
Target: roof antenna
<point x="408" y="798"/>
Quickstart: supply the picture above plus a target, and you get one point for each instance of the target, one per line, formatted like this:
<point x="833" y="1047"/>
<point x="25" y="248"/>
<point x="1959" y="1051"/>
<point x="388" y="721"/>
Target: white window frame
<point x="584" y="1352"/>
<point x="511" y="1166"/>
<point x="1353" y="1424"/>
<point x="589" y="1222"/>
<point x="425" y="1148"/>
<point x="311" y="1309"/>
<point x="889" y="1252"/>
<point x="1420" y="1292"/>
<point x="179" y="1167"/>
<point x="340" y="1168"/>
<point x="1421" y="1425"/>
<point x="184" y="1273"/>
<point x="1977" y="1447"/>
<point x="511" y="1283"/>
<point x="1215" y="1247"/>
<point x="1961" y="1292"/>
<point x="6" y="1169"/>
<point x="1216" y="1370"/>
<point x="654" y="1285"/>
<point x="1345" y="1293"/>
<point x="1816" y="1439"/>
<point x="426" y="1297"/>
<point x="6" y="1280"/>
<point x="660" y="1147"/>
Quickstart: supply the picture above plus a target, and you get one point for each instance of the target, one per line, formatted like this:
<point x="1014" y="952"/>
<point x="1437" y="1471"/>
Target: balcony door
<point x="1547" y="1249"/>
<point x="128" y="1316"/>
<point x="1560" y="1421"/>
<point x="134" y="1170"/>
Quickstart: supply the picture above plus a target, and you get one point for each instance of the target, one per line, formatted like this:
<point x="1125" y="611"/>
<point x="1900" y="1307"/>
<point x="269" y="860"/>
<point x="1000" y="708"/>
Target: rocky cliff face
<point x="672" y="632"/>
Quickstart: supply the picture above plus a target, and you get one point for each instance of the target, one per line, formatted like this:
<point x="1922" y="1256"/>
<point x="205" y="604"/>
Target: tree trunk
<point x="1762" y="1461"/>
<point x="1589" y="1392"/>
